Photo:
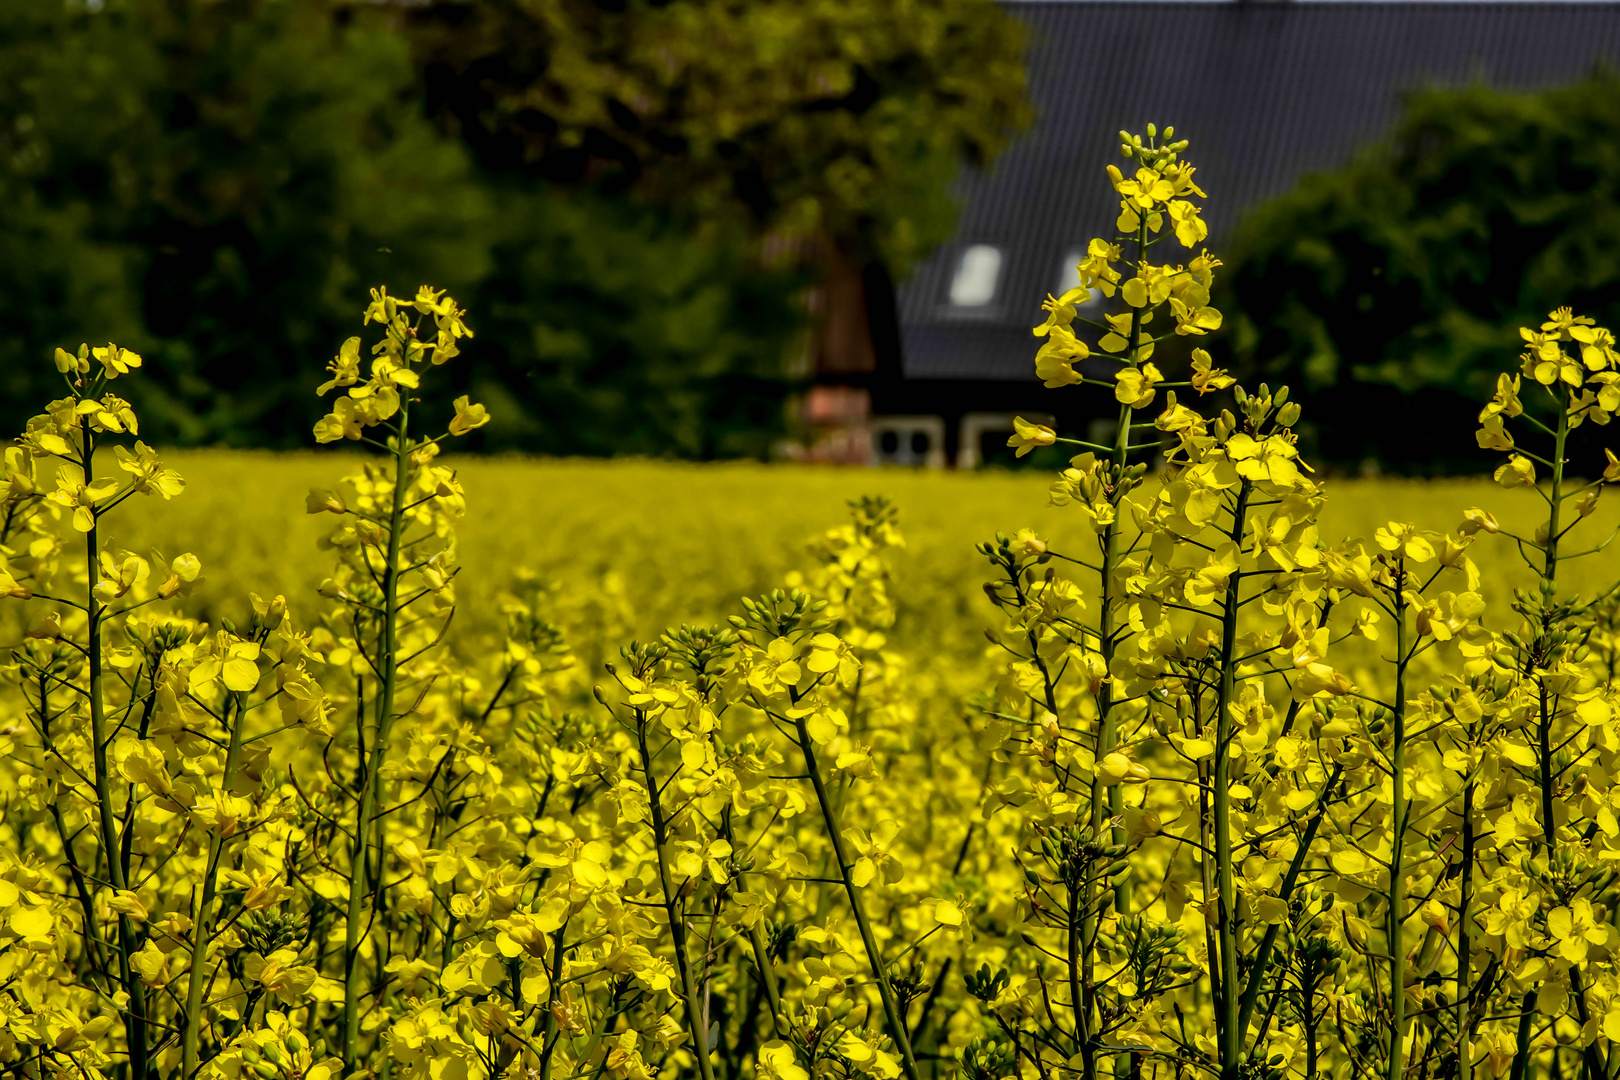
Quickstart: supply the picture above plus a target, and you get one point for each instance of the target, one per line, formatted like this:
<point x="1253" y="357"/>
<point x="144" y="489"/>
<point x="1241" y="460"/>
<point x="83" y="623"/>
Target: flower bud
<point x="324" y="501"/>
<point x="368" y="533"/>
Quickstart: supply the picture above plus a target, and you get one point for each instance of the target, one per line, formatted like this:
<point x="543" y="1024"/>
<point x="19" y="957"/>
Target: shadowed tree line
<point x="1388" y="291"/>
<point x="214" y="183"/>
<point x="633" y="195"/>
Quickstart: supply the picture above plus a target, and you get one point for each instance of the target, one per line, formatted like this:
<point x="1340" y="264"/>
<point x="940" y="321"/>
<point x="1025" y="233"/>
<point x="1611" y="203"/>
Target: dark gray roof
<point x="1266" y="92"/>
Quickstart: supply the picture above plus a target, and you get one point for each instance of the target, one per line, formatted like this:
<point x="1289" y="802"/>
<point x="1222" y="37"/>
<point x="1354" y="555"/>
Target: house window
<point x="975" y="282"/>
<point x="908" y="440"/>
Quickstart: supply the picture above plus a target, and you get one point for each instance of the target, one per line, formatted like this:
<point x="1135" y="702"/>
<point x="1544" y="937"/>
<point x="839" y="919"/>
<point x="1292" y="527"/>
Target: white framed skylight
<point x="977" y="274"/>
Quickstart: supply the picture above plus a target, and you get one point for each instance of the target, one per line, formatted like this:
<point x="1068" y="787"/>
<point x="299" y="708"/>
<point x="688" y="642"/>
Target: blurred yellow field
<point x="681" y="542"/>
<point x="426" y="767"/>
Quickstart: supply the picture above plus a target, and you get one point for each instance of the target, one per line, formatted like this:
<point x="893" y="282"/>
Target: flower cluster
<point x="1346" y="803"/>
<point x="1236" y="797"/>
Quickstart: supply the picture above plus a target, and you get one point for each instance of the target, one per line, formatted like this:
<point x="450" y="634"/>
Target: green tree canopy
<point x="1393" y="288"/>
<point x="832" y="118"/>
<point x="214" y="183"/>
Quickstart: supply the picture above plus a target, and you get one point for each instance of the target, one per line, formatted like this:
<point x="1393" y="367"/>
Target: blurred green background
<point x="1390" y="292"/>
<point x="631" y="198"/>
<point x="215" y="183"/>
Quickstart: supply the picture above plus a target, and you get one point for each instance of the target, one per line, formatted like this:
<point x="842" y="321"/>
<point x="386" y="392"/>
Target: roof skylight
<point x="976" y="275"/>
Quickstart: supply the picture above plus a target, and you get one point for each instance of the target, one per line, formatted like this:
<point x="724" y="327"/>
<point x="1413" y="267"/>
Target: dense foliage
<point x="834" y="120"/>
<point x="1391" y="287"/>
<point x="1234" y="799"/>
<point x="207" y="182"/>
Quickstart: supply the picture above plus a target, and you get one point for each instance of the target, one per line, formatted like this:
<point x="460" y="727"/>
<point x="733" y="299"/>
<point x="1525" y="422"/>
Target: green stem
<point x="92" y="934"/>
<point x="1262" y="956"/>
<point x="1231" y="1034"/>
<point x="891" y="1007"/>
<point x="1549" y="569"/>
<point x="1549" y="587"/>
<point x="196" y="982"/>
<point x="1397" y="874"/>
<point x="696" y="1028"/>
<point x="371" y="782"/>
<point x="548" y="1044"/>
<point x="1591" y="1065"/>
<point x="1465" y="1066"/>
<point x="1081" y="997"/>
<point x="1107" y="732"/>
<point x="1521" y="1050"/>
<point x="767" y="976"/>
<point x="135" y="1017"/>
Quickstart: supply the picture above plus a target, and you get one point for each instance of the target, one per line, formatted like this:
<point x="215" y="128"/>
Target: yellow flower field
<point x="681" y="542"/>
<point x="393" y="763"/>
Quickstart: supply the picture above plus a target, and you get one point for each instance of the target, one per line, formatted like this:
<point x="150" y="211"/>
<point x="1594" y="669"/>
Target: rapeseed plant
<point x="1237" y="799"/>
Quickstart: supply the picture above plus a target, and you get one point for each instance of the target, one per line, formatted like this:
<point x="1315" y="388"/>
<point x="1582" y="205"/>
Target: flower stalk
<point x="111" y="841"/>
<point x="370" y="794"/>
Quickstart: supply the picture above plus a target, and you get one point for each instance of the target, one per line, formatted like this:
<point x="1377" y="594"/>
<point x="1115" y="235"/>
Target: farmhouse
<point x="930" y="371"/>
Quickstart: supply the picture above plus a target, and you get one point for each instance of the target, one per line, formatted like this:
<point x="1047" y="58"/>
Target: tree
<point x="1383" y="290"/>
<point x="605" y="328"/>
<point x="213" y="184"/>
<point x="836" y="119"/>
<point x="236" y="173"/>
